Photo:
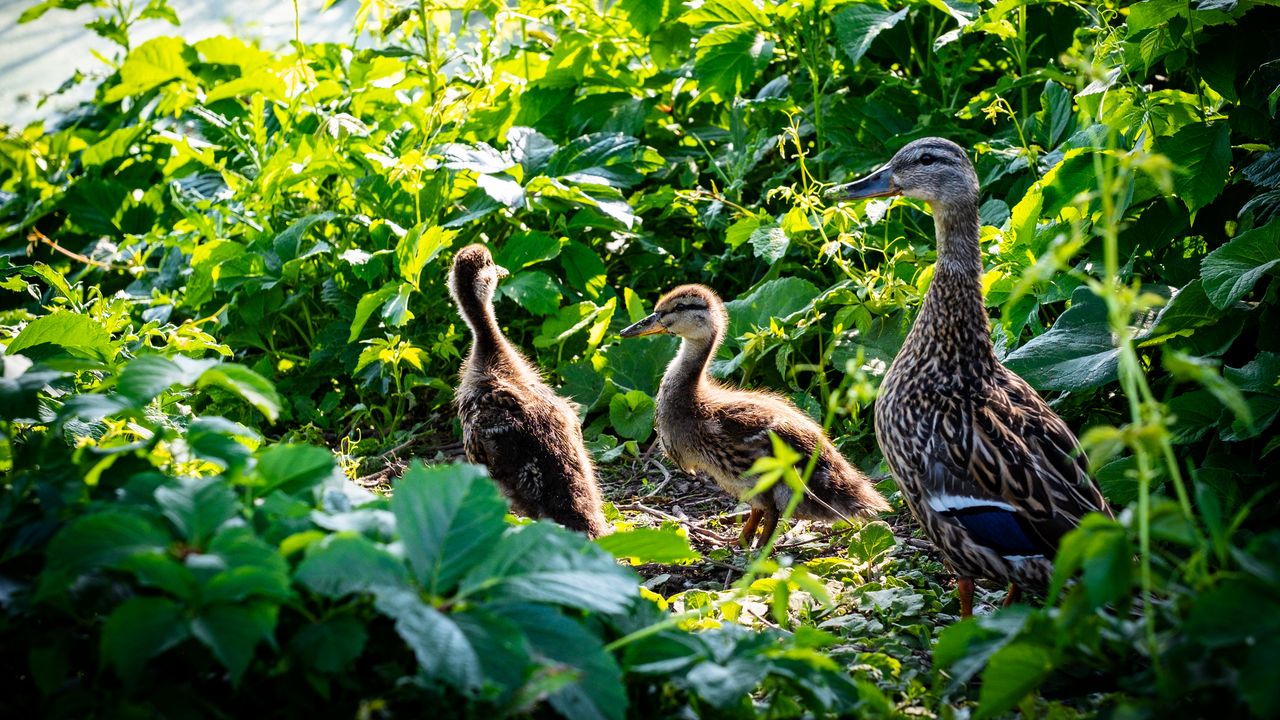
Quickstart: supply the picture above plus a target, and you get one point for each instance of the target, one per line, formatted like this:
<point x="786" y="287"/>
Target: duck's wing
<point x="494" y="424"/>
<point x="1009" y="471"/>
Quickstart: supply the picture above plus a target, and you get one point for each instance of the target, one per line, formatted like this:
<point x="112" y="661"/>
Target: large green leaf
<point x="776" y="298"/>
<point x="198" y="507"/>
<point x="78" y="335"/>
<point x="545" y="563"/>
<point x="1232" y="270"/>
<point x="441" y="647"/>
<point x="148" y="376"/>
<point x="449" y="517"/>
<point x="1077" y="353"/>
<point x="103" y="539"/>
<point x="597" y="693"/>
<point x="151" y="64"/>
<point x="583" y="268"/>
<point x="139" y="629"/>
<point x="347" y="563"/>
<point x="245" y="383"/>
<point x="1013" y="672"/>
<point x="293" y="468"/>
<point x="650" y="545"/>
<point x="233" y="631"/>
<point x="631" y="414"/>
<point x="534" y="290"/>
<point x="1202" y="154"/>
<point x="858" y="25"/>
<point x="528" y="248"/>
<point x="729" y="58"/>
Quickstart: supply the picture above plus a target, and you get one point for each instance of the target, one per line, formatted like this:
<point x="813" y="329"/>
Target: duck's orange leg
<point x="964" y="589"/>
<point x="770" y="524"/>
<point x="1012" y="596"/>
<point x="749" y="527"/>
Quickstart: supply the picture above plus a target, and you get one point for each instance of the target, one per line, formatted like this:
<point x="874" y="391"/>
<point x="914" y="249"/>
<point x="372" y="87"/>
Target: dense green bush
<point x="226" y="236"/>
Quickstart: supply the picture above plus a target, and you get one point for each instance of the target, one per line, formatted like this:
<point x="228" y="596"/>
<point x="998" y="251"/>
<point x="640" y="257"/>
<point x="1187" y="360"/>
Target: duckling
<point x="528" y="437"/>
<point x="994" y="476"/>
<point x="705" y="426"/>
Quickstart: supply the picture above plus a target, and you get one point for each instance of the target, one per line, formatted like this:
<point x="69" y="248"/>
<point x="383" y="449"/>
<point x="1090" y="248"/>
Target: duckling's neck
<point x="488" y="344"/>
<point x="953" y="319"/>
<point x="686" y="376"/>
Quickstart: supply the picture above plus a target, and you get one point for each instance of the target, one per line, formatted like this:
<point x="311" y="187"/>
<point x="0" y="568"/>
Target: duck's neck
<point x="953" y="320"/>
<point x="686" y="376"/>
<point x="488" y="344"/>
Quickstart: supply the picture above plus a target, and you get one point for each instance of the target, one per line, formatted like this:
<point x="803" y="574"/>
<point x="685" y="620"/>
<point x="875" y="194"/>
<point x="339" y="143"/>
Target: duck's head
<point x="474" y="275"/>
<point x="932" y="169"/>
<point x="693" y="312"/>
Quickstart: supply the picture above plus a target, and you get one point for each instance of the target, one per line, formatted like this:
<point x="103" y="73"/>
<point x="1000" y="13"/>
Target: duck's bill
<point x="877" y="184"/>
<point x="502" y="272"/>
<point x="647" y="326"/>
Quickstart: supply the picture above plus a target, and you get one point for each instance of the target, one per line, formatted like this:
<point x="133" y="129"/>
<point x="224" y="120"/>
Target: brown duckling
<point x="704" y="425"/>
<point x="528" y="437"/>
<point x="992" y="473"/>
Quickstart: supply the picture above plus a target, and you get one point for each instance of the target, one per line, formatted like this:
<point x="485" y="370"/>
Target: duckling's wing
<point x="491" y="425"/>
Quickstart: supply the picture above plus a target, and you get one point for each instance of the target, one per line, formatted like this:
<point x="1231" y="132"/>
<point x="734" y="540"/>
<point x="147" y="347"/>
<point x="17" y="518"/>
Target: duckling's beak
<point x="877" y="184"/>
<point x="647" y="326"/>
<point x="502" y="272"/>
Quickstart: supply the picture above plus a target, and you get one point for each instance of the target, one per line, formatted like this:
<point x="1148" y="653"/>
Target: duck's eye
<point x="927" y="159"/>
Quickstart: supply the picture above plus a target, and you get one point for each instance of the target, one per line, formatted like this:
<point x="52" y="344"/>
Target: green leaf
<point x="545" y="563"/>
<point x="1231" y="271"/>
<point x="370" y="302"/>
<point x="649" y="545"/>
<point x="417" y="248"/>
<point x="1077" y="353"/>
<point x="347" y="563"/>
<point x="1202" y="154"/>
<point x="449" y="517"/>
<point x="858" y="25"/>
<point x="441" y="647"/>
<point x="534" y="290"/>
<point x="148" y="376"/>
<point x="78" y="335"/>
<point x="198" y="506"/>
<point x="647" y="16"/>
<point x="1013" y="672"/>
<point x="233" y="631"/>
<point x="246" y="384"/>
<point x="139" y="629"/>
<point x="288" y="244"/>
<point x="103" y="539"/>
<point x="776" y="298"/>
<point x="631" y="414"/>
<point x="330" y="645"/>
<point x="20" y="388"/>
<point x="769" y="243"/>
<point x="151" y="64"/>
<point x="597" y="693"/>
<point x="729" y="58"/>
<point x="525" y="249"/>
<point x="583" y="269"/>
<point x="293" y="468"/>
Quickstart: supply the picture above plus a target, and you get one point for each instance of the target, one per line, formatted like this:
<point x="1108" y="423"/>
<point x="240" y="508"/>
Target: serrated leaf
<point x="233" y="631"/>
<point x="151" y="64"/>
<point x="1231" y="271"/>
<point x="139" y="629"/>
<point x="857" y="26"/>
<point x="77" y="335"/>
<point x="649" y="545"/>
<point x="524" y="249"/>
<point x="1077" y="353"/>
<point x="1202" y="154"/>
<point x="332" y="644"/>
<point x="534" y="290"/>
<point x="246" y="384"/>
<point x="776" y="298"/>
<point x="293" y="468"/>
<point x="729" y="57"/>
<point x="441" y="647"/>
<point x="198" y="507"/>
<point x="347" y="563"/>
<point x="103" y="539"/>
<point x="146" y="377"/>
<point x="769" y="243"/>
<point x="449" y="516"/>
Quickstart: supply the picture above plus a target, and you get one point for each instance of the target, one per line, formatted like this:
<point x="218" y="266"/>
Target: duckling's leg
<point x="1011" y="597"/>
<point x="770" y="524"/>
<point x="749" y="527"/>
<point x="964" y="589"/>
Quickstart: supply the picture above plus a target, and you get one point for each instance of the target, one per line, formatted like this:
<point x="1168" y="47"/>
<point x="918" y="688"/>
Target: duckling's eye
<point x="927" y="159"/>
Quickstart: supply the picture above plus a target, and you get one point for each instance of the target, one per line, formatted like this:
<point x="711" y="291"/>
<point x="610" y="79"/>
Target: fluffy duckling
<point x="529" y="437"/>
<point x="992" y="473"/>
<point x="722" y="431"/>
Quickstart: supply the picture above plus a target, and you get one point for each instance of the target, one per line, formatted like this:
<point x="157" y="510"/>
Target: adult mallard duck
<point x="528" y="437"/>
<point x="992" y="473"/>
<point x="705" y="426"/>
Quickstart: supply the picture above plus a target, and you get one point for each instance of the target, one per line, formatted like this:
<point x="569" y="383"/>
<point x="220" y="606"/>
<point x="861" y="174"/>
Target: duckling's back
<point x="531" y="441"/>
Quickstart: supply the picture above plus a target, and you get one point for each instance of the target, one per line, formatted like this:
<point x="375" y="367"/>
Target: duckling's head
<point x="932" y="169"/>
<point x="693" y="312"/>
<point x="475" y="276"/>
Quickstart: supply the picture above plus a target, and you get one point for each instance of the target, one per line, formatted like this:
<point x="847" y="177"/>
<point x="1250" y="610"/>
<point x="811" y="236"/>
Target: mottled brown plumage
<point x="705" y="426"/>
<point x="992" y="473"/>
<point x="528" y="437"/>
